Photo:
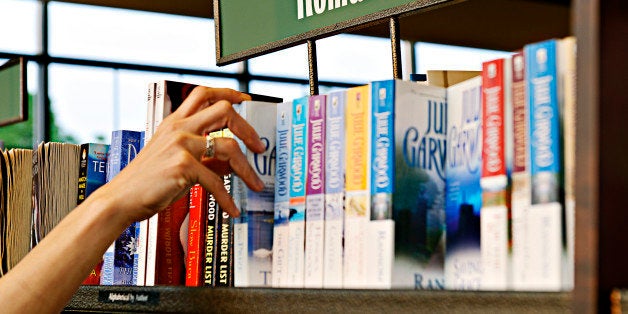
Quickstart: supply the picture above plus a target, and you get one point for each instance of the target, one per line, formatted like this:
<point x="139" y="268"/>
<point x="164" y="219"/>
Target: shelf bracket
<point x="395" y="42"/>
<point x="311" y="60"/>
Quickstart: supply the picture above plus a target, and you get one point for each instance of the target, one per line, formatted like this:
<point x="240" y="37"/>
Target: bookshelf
<point x="601" y="252"/>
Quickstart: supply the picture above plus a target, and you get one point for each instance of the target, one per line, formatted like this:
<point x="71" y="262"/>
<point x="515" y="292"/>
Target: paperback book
<point x="253" y="238"/>
<point x="334" y="190"/>
<point x="92" y="175"/>
<point x="119" y="259"/>
<point x="298" y="181"/>
<point x="315" y="193"/>
<point x="357" y="180"/>
<point x="282" y="209"/>
<point x="496" y="168"/>
<point x="463" y="202"/>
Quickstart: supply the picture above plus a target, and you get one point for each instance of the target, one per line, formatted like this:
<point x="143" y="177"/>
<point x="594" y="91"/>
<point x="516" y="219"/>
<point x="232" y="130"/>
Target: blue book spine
<point x="334" y="189"/>
<point x="382" y="149"/>
<point x="298" y="177"/>
<point x="463" y="269"/>
<point x="119" y="266"/>
<point x="544" y="121"/>
<point x="282" y="195"/>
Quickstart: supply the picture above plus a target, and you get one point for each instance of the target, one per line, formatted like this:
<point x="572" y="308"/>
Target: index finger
<point x="203" y="96"/>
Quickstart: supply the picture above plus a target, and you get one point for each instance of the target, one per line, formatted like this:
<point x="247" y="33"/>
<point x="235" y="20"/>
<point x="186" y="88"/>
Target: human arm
<point x="165" y="169"/>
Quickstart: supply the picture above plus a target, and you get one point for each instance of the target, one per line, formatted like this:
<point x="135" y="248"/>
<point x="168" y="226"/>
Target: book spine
<point x="224" y="259"/>
<point x="463" y="268"/>
<point x="211" y="237"/>
<point x="92" y="174"/>
<point x="357" y="202"/>
<point x="118" y="261"/>
<point x="494" y="180"/>
<point x="282" y="196"/>
<point x="334" y="190"/>
<point x="142" y="238"/>
<point x="545" y="213"/>
<point x="520" y="195"/>
<point x="196" y="236"/>
<point x="419" y="194"/>
<point x="170" y="262"/>
<point x="298" y="177"/>
<point x="567" y="57"/>
<point x="315" y="193"/>
<point x="380" y="229"/>
<point x="241" y="224"/>
<point x="113" y="158"/>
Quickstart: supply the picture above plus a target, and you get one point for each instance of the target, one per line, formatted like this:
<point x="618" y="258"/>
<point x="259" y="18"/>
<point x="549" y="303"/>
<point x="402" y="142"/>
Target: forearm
<point x="48" y="276"/>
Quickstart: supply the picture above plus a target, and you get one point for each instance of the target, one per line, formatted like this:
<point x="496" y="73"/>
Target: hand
<point x="173" y="161"/>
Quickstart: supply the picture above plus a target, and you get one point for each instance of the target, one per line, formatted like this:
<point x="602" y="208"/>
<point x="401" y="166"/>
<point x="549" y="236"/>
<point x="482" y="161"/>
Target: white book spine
<point x="240" y="258"/>
<point x="494" y="247"/>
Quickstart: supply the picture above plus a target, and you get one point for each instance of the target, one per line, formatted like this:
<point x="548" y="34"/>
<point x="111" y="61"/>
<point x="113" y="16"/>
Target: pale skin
<point x="45" y="280"/>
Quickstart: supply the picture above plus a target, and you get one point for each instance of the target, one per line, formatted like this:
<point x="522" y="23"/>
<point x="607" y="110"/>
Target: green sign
<point x="246" y="28"/>
<point x="12" y="92"/>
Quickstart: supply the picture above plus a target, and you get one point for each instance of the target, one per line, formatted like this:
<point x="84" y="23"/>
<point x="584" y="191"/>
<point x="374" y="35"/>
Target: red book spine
<point x="493" y="158"/>
<point x="170" y="267"/>
<point x="195" y="259"/>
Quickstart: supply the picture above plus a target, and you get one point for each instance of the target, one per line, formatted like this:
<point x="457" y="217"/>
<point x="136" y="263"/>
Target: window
<point x="21" y="26"/>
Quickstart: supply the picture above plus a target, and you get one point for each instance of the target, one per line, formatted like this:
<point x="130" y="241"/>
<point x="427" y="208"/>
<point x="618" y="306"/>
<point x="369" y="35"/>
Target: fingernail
<point x="259" y="184"/>
<point x="261" y="146"/>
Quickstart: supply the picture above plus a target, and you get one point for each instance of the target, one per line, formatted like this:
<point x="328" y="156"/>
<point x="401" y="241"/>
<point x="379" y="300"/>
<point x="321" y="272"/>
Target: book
<point x="463" y="196"/>
<point x="55" y="180"/>
<point x="170" y="263"/>
<point x="420" y="145"/>
<point x="211" y="238"/>
<point x="567" y="58"/>
<point x="92" y="175"/>
<point x="496" y="168"/>
<point x="315" y="193"/>
<point x="334" y="190"/>
<point x="381" y="227"/>
<point x="142" y="233"/>
<point x="298" y="179"/>
<point x="119" y="260"/>
<point x="15" y="206"/>
<point x="253" y="230"/>
<point x="225" y="248"/>
<point x="545" y="214"/>
<point x="520" y="195"/>
<point x="282" y="195"/>
<point x="357" y="197"/>
<point x="196" y="236"/>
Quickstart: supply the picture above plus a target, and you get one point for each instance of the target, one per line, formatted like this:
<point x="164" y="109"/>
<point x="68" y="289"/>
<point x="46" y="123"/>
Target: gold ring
<point x="209" y="146"/>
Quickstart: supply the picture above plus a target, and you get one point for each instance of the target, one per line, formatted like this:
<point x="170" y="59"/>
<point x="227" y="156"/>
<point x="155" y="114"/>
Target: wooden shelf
<point x="230" y="300"/>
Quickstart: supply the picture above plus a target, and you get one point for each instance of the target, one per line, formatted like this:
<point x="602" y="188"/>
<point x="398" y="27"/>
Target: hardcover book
<point x="546" y="211"/>
<point x="334" y="190"/>
<point x="211" y="238"/>
<point x="223" y="276"/>
<point x="357" y="200"/>
<point x="315" y="193"/>
<point x="420" y="143"/>
<point x="253" y="238"/>
<point x="282" y="195"/>
<point x="298" y="181"/>
<point x="463" y="194"/>
<point x="118" y="262"/>
<point x="496" y="169"/>
<point x="92" y="175"/>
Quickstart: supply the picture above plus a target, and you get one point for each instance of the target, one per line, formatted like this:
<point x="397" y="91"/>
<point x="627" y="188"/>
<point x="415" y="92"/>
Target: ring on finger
<point x="210" y="143"/>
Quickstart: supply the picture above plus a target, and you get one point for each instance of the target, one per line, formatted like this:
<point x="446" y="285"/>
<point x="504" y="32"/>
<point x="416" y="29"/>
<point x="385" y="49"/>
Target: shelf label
<point x="128" y="297"/>
<point x="247" y="28"/>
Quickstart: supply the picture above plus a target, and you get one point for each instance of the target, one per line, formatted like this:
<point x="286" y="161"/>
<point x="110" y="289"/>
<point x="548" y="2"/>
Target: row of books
<point x="394" y="184"/>
<point x="398" y="184"/>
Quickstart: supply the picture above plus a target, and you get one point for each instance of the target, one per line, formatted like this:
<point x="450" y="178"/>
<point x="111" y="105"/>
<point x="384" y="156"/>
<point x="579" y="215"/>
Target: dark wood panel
<point x="197" y="8"/>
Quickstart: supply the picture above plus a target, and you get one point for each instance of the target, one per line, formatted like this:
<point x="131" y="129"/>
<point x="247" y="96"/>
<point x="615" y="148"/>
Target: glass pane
<point x="82" y="102"/>
<point x="282" y="90"/>
<point x="444" y="57"/>
<point x="20" y="26"/>
<point x="290" y="62"/>
<point x="92" y="32"/>
<point x="353" y="58"/>
<point x="20" y="135"/>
